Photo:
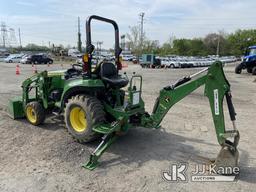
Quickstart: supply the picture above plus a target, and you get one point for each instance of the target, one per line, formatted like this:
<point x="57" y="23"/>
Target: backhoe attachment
<point x="216" y="88"/>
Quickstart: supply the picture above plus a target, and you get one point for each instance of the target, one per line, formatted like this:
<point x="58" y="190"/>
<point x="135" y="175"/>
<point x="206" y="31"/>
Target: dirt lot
<point x="46" y="158"/>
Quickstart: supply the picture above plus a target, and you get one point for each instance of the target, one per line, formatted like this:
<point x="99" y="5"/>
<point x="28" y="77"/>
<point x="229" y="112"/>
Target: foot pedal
<point x="92" y="163"/>
<point x="56" y="113"/>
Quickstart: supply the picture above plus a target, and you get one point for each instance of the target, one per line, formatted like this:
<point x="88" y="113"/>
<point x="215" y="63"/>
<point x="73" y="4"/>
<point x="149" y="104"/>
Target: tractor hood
<point x="56" y="73"/>
<point x="249" y="58"/>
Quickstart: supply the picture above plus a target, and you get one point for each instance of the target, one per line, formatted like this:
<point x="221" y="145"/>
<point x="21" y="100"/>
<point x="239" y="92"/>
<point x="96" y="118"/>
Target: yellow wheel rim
<point x="77" y="119"/>
<point x="31" y="115"/>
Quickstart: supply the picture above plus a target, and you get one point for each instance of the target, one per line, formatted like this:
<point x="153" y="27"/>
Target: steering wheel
<point x="75" y="71"/>
<point x="77" y="66"/>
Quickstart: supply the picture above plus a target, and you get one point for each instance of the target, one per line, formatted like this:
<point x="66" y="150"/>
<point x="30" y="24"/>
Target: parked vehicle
<point x="150" y="61"/>
<point x="2" y="58"/>
<point x="24" y="59"/>
<point x="14" y="58"/>
<point x="38" y="59"/>
<point x="74" y="53"/>
<point x="174" y="61"/>
<point x="248" y="62"/>
<point x="127" y="57"/>
<point x="165" y="62"/>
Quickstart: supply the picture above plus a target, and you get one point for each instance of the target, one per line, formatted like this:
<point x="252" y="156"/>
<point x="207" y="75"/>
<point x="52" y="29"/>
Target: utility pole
<point x="123" y="42"/>
<point x="100" y="43"/>
<point x="141" y="30"/>
<point x="141" y="27"/>
<point x="218" y="46"/>
<point x="79" y="43"/>
<point x="20" y="38"/>
<point x="4" y="33"/>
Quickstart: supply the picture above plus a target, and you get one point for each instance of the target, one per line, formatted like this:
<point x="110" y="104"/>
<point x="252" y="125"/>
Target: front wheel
<point x="81" y="114"/>
<point x="35" y="113"/>
<point x="238" y="69"/>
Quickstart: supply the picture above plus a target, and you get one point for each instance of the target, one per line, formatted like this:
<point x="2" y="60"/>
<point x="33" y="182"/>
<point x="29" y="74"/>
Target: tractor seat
<point x="109" y="75"/>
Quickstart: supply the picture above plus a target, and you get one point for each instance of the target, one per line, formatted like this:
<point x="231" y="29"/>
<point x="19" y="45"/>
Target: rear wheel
<point x="35" y="113"/>
<point x="249" y="70"/>
<point x="254" y="70"/>
<point x="81" y="114"/>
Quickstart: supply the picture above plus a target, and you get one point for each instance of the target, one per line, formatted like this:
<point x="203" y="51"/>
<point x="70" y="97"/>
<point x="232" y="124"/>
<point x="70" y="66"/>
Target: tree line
<point x="212" y="44"/>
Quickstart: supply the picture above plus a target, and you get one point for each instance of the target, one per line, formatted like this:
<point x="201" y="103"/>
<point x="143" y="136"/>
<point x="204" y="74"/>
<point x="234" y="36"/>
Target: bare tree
<point x="134" y="39"/>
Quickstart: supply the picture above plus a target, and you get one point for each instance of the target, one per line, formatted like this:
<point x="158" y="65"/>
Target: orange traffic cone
<point x="34" y="68"/>
<point x="124" y="65"/>
<point x="17" y="69"/>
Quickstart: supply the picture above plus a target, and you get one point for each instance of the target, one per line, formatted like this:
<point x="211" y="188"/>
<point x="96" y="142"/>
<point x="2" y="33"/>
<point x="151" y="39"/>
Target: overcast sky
<point x="56" y="20"/>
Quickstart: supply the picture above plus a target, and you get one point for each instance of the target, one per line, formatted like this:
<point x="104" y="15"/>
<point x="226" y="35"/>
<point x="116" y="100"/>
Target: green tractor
<point x="99" y="102"/>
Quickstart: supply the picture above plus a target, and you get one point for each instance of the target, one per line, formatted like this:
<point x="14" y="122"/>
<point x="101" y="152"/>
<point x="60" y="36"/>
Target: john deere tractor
<point x="99" y="102"/>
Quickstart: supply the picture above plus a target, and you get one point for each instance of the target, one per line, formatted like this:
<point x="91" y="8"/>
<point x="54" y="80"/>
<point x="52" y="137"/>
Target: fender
<point x="79" y="86"/>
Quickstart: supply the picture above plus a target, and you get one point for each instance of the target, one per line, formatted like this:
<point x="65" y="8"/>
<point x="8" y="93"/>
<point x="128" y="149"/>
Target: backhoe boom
<point x="216" y="88"/>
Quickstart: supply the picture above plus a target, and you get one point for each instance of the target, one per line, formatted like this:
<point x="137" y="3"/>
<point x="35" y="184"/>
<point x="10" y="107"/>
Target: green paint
<point x="125" y="114"/>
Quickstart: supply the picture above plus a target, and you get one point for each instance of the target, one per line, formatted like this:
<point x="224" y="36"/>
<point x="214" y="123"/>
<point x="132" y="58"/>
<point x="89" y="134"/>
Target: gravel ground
<point x="46" y="158"/>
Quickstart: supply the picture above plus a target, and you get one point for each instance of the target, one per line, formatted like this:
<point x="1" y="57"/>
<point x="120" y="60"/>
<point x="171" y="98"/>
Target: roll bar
<point x="90" y="47"/>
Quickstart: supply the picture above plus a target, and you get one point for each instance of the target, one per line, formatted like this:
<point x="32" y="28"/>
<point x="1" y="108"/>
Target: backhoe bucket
<point x="15" y="108"/>
<point x="227" y="159"/>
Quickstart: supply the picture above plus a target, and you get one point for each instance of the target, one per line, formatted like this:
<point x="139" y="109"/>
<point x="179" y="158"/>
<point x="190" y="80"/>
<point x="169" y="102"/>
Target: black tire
<point x="35" y="113"/>
<point x="50" y="62"/>
<point x="249" y="70"/>
<point x="92" y="108"/>
<point x="172" y="66"/>
<point x="254" y="71"/>
<point x="10" y="61"/>
<point x="238" y="69"/>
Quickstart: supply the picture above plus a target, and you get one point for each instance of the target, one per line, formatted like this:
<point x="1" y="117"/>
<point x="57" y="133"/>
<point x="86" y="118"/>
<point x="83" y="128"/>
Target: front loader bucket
<point x="15" y="108"/>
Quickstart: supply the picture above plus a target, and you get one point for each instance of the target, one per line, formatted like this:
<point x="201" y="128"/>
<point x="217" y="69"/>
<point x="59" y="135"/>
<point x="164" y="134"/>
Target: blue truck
<point x="248" y="61"/>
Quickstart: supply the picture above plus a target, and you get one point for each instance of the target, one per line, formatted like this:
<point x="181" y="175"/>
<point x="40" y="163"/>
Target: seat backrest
<point x="108" y="70"/>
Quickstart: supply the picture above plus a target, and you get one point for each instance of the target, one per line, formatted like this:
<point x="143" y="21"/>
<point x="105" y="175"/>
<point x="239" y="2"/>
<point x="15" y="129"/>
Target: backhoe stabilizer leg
<point x="107" y="140"/>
